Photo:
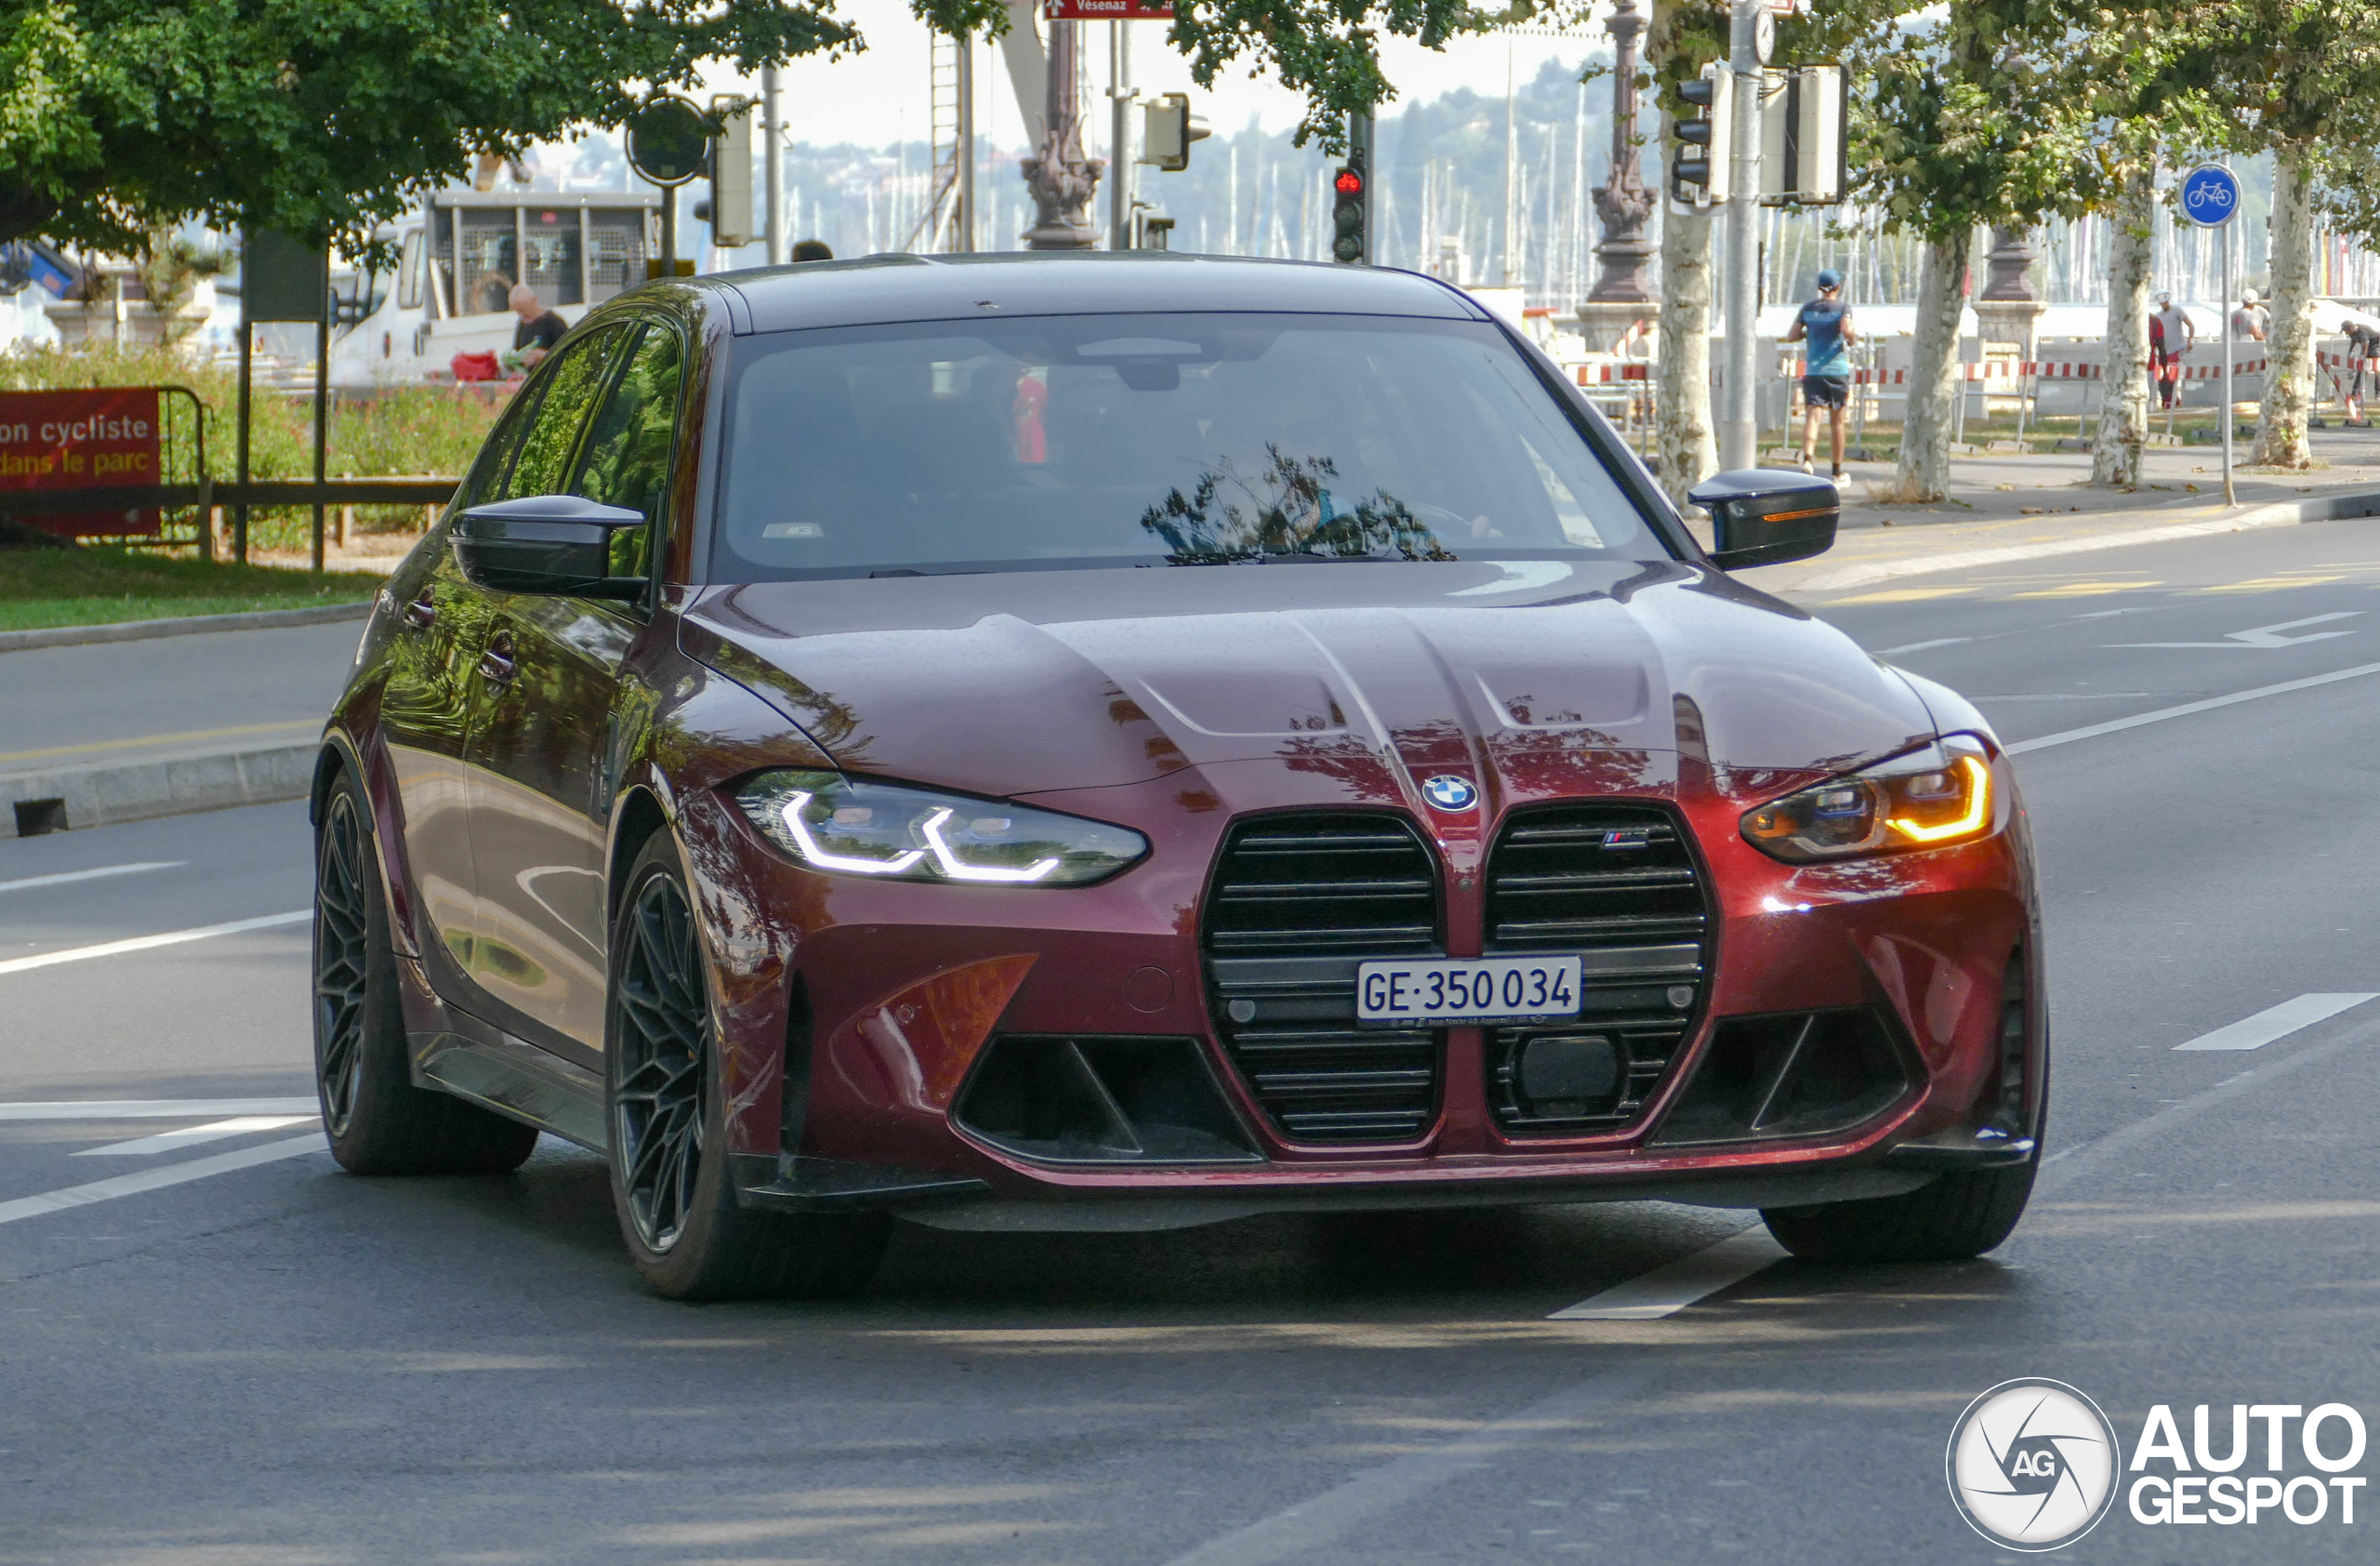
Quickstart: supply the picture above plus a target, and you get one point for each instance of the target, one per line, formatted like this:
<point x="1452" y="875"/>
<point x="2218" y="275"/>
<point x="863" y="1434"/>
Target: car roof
<point x="882" y="290"/>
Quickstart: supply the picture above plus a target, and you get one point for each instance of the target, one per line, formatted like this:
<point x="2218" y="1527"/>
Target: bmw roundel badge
<point x="1449" y="793"/>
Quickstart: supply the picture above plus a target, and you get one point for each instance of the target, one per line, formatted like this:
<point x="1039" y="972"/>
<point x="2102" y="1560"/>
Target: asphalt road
<point x="273" y="1362"/>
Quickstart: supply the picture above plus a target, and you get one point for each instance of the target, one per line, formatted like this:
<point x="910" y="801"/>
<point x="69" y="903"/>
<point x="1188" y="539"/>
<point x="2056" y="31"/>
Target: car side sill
<point x="514" y="1078"/>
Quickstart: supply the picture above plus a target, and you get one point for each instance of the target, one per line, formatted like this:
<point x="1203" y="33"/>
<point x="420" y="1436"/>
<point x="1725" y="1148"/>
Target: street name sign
<point x="1107" y="10"/>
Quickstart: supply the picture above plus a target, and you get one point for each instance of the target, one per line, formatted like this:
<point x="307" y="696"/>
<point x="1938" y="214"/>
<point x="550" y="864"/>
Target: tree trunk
<point x="2124" y="391"/>
<point x="2289" y="352"/>
<point x="1682" y="433"/>
<point x="1924" y="474"/>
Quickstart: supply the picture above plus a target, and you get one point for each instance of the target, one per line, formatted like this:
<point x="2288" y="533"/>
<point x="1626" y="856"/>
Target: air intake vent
<point x="1297" y="902"/>
<point x="1616" y="884"/>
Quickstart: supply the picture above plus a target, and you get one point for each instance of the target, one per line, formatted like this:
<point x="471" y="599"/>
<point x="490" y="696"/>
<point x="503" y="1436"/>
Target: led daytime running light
<point x="948" y="862"/>
<point x="1978" y="808"/>
<point x="791" y="815"/>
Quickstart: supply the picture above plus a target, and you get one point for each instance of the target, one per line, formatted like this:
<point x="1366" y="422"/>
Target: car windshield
<point x="1152" y="440"/>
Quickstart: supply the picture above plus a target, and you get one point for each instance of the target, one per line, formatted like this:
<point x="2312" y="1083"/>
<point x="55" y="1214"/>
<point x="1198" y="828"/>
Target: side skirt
<point x="515" y="1077"/>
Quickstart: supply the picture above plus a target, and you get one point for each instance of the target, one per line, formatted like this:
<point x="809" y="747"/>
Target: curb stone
<point x="185" y="625"/>
<point x="118" y="791"/>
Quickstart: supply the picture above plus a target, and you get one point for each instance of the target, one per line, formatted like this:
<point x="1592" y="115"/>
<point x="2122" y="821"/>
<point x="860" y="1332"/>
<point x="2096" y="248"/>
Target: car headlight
<point x="1932" y="798"/>
<point x="845" y="826"/>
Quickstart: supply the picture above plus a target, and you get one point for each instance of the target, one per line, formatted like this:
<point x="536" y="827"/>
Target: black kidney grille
<point x="1617" y="884"/>
<point x="1296" y="904"/>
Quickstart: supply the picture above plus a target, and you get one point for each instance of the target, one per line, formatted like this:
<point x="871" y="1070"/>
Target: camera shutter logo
<point x="2033" y="1465"/>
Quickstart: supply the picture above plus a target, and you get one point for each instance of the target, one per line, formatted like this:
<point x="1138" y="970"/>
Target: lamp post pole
<point x="1739" y="433"/>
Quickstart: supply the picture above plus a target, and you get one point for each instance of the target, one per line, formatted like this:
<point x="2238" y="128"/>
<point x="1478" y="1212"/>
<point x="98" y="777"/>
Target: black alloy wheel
<point x="657" y="1108"/>
<point x="686" y="1228"/>
<point x="342" y="961"/>
<point x="379" y="1121"/>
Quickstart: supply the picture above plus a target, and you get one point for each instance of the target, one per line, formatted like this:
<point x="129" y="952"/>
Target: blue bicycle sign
<point x="2210" y="195"/>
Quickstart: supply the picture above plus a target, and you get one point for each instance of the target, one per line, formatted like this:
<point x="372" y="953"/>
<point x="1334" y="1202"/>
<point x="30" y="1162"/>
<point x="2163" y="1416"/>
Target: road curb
<point x="2280" y="513"/>
<point x="119" y="791"/>
<point x="186" y="625"/>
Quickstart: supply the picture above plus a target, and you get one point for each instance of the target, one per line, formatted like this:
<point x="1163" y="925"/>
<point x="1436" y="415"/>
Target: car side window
<point x="570" y="392"/>
<point x="486" y="479"/>
<point x="628" y="447"/>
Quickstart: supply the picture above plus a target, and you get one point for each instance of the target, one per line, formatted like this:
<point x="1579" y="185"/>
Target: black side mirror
<point x="1764" y="517"/>
<point x="559" y="546"/>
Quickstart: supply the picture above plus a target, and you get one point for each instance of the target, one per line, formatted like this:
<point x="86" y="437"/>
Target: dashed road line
<point x="148" y="943"/>
<point x="29" y="883"/>
<point x="1667" y="1290"/>
<point x="191" y="1136"/>
<point x="152" y="1108"/>
<point x="2275" y="1022"/>
<point x="2116" y="725"/>
<point x="157" y="1179"/>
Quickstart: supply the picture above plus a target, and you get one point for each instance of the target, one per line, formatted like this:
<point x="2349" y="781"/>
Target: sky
<point x="881" y="96"/>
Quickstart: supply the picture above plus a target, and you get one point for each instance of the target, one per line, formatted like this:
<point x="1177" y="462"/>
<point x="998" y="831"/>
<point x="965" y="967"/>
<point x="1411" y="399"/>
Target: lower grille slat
<point x="1295" y="905"/>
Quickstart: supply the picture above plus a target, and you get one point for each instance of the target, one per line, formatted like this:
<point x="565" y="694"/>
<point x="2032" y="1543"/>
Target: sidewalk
<point x="2023" y="508"/>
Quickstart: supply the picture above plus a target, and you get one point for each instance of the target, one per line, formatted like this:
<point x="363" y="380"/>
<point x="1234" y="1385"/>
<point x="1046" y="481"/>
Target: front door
<point x="442" y="633"/>
<point x="549" y="743"/>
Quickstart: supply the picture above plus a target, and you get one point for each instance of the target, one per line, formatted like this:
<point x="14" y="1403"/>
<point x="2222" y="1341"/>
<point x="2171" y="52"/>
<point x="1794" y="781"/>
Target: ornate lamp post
<point x="1060" y="178"/>
<point x="1622" y="294"/>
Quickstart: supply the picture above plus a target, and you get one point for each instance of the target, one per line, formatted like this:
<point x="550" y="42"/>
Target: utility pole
<point x="1750" y="30"/>
<point x="1119" y="135"/>
<point x="772" y="162"/>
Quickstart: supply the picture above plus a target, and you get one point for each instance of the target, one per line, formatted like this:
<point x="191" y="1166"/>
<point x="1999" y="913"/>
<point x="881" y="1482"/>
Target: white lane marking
<point x="29" y="883"/>
<point x="146" y="943"/>
<point x="154" y="1108"/>
<point x="2275" y="1022"/>
<point x="1665" y="1290"/>
<point x="1314" y="1525"/>
<point x="2116" y="726"/>
<point x="2263" y="635"/>
<point x="192" y="1136"/>
<point x="1921" y="647"/>
<point x="2284" y="514"/>
<point x="156" y="1179"/>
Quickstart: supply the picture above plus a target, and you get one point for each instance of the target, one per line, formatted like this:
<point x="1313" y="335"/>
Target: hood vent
<point x="1617" y="884"/>
<point x="1297" y="902"/>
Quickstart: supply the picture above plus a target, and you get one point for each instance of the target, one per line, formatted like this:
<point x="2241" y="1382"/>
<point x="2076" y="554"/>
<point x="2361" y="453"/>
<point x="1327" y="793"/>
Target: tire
<point x="667" y="1119"/>
<point x="377" y="1121"/>
<point x="1958" y="1217"/>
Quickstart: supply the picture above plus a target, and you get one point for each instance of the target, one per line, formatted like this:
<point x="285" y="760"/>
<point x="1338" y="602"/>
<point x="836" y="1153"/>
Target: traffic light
<point x="1699" y="163"/>
<point x="1803" y="160"/>
<point x="1350" y="220"/>
<point x="1166" y="130"/>
<point x="730" y="172"/>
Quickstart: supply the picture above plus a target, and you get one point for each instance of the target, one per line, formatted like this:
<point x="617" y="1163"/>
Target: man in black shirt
<point x="540" y="329"/>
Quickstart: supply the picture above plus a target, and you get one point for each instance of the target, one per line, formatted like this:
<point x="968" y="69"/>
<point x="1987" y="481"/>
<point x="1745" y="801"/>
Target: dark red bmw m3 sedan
<point x="1133" y="741"/>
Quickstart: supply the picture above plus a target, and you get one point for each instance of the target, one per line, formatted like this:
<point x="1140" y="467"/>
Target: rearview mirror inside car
<point x="558" y="545"/>
<point x="1764" y="517"/>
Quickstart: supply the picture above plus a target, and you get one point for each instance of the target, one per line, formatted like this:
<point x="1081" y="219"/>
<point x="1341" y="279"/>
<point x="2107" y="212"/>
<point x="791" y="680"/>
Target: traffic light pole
<point x="1738" y="431"/>
<point x="1359" y="154"/>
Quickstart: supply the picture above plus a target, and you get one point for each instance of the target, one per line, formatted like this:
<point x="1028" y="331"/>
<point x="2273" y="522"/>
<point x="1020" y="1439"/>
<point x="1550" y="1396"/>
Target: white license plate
<point x="1439" y="990"/>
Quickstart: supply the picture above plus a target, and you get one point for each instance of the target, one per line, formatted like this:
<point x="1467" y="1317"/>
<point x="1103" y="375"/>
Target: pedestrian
<point x="2171" y="335"/>
<point x="2363" y="348"/>
<point x="539" y="329"/>
<point x="1825" y="325"/>
<point x="2252" y="321"/>
<point x="813" y="250"/>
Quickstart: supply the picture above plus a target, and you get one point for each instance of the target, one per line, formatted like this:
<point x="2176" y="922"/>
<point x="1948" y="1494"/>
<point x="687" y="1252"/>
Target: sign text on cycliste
<point x="65" y="441"/>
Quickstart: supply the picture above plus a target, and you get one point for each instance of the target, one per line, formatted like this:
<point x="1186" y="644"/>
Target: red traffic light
<point x="1348" y="183"/>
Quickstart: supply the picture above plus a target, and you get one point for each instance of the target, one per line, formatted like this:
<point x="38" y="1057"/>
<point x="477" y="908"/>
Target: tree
<point x="1975" y="121"/>
<point x="2124" y="386"/>
<point x="321" y="117"/>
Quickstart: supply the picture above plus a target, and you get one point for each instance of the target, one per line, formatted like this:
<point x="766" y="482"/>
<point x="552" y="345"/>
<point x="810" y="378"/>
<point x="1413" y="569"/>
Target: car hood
<point x="1027" y="682"/>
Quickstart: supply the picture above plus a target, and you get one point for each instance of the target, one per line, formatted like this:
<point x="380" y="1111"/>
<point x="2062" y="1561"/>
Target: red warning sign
<point x="65" y="441"/>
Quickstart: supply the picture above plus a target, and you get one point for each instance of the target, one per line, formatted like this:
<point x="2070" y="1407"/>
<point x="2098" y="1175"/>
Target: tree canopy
<point x="318" y="116"/>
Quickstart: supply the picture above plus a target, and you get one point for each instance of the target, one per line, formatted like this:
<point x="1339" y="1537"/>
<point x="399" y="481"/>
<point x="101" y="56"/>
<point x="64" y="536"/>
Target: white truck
<point x="458" y="257"/>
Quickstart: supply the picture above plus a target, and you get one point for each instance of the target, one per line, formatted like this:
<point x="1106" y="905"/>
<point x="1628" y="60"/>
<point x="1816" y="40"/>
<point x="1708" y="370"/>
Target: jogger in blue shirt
<point x="1825" y="325"/>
